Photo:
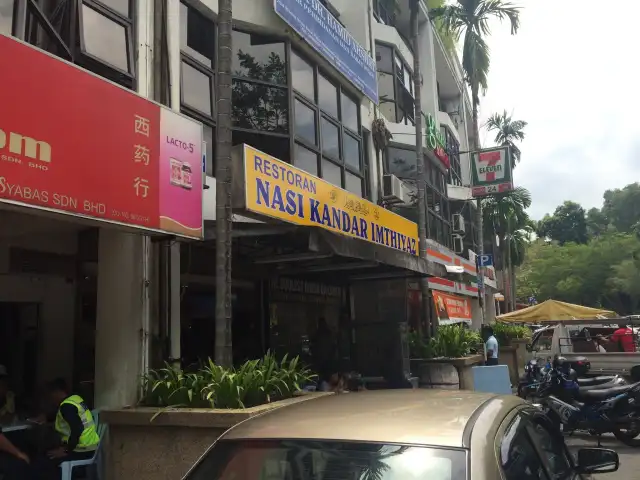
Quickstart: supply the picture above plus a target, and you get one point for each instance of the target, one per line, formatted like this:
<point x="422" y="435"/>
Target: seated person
<point x="76" y="429"/>
<point x="14" y="464"/>
<point x="7" y="398"/>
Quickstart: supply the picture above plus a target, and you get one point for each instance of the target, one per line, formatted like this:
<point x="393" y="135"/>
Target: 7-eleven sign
<point x="491" y="171"/>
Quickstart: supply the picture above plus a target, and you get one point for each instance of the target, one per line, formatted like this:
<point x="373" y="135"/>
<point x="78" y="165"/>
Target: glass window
<point x="293" y="459"/>
<point x="330" y="139"/>
<point x="353" y="183"/>
<point x="259" y="57"/>
<point x="305" y="119"/>
<point x="331" y="172"/>
<point x="386" y="92"/>
<point x="327" y="96"/>
<point x="401" y="162"/>
<point x="351" y="151"/>
<point x="384" y="58"/>
<point x="6" y="16"/>
<point x="196" y="89"/>
<point x="553" y="449"/>
<point x="260" y="107"/>
<point x="349" y="112"/>
<point x="197" y="36"/>
<point x="303" y="78"/>
<point x="277" y="146"/>
<point x="120" y="6"/>
<point x="104" y="39"/>
<point x="306" y="159"/>
<point x="519" y="459"/>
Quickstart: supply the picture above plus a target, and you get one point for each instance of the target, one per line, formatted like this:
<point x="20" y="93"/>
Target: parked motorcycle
<point x="596" y="410"/>
<point x="536" y="369"/>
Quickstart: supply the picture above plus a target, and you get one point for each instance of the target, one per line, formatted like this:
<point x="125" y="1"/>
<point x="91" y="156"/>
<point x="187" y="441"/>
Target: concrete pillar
<point x="120" y="310"/>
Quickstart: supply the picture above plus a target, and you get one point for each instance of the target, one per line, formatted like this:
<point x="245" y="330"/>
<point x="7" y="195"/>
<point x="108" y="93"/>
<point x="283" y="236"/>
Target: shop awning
<point x="554" y="311"/>
<point x="319" y="254"/>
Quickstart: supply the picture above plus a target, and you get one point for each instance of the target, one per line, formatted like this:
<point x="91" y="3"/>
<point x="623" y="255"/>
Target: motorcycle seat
<point x="588" y="382"/>
<point x="603" y="386"/>
<point x="598" y="395"/>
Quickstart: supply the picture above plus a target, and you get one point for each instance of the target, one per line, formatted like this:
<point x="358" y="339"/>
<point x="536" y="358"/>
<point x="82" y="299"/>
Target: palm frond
<point x="452" y="19"/>
<point x="475" y="61"/>
<point x="500" y="9"/>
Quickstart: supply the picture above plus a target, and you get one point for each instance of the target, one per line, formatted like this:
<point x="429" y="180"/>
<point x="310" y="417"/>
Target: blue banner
<point x="315" y="24"/>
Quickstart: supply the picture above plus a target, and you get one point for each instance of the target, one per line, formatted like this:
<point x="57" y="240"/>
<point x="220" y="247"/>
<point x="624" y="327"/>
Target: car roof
<point x="420" y="416"/>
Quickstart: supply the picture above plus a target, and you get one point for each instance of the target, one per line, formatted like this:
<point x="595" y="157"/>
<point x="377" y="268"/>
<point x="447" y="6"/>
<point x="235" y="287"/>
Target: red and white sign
<point x="73" y="143"/>
<point x="451" y="308"/>
<point x="491" y="172"/>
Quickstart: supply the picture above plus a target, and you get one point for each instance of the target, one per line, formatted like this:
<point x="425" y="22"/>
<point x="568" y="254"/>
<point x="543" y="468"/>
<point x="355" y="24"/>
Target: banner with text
<point x="451" y="308"/>
<point x="317" y="25"/>
<point x="491" y="171"/>
<point x="284" y="192"/>
<point x="73" y="143"/>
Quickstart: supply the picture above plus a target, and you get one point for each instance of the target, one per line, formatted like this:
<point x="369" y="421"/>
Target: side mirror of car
<point x="597" y="460"/>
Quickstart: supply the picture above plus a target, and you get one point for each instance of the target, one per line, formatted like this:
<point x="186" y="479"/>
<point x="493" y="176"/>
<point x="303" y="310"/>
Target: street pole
<point x="480" y="223"/>
<point x="421" y="171"/>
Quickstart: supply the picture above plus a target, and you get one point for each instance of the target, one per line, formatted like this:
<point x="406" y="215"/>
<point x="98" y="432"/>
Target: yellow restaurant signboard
<point x="284" y="192"/>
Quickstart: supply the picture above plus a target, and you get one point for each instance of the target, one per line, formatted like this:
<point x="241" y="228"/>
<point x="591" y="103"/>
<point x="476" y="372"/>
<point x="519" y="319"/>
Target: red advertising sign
<point x="451" y="308"/>
<point x="73" y="143"/>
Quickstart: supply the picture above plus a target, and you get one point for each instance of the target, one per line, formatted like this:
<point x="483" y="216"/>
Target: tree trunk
<point x="224" y="218"/>
<point x="479" y="217"/>
<point x="505" y="279"/>
<point x="509" y="238"/>
<point x="421" y="172"/>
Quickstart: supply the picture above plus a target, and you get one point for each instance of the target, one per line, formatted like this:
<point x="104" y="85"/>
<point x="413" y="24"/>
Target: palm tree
<point x="505" y="216"/>
<point x="224" y="218"/>
<point x="470" y="18"/>
<point x="508" y="132"/>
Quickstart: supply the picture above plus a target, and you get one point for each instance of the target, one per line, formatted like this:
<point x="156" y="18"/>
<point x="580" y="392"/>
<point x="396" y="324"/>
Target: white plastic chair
<point x="67" y="467"/>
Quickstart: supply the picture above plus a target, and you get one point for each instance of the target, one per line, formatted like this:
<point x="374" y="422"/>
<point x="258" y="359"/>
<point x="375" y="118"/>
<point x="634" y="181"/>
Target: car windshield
<point x="327" y="460"/>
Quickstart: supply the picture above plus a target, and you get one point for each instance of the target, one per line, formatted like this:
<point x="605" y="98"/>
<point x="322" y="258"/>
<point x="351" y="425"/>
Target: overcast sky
<point x="570" y="72"/>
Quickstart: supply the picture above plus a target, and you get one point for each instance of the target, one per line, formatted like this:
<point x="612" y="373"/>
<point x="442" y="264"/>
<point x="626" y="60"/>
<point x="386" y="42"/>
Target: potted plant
<point x="182" y="412"/>
<point x="454" y="345"/>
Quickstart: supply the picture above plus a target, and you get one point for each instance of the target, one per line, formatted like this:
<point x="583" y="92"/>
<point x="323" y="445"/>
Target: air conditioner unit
<point x="393" y="190"/>
<point x="458" y="243"/>
<point x="458" y="223"/>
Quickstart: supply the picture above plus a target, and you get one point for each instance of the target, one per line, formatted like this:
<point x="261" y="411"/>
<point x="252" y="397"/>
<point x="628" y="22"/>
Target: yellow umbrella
<point x="554" y="311"/>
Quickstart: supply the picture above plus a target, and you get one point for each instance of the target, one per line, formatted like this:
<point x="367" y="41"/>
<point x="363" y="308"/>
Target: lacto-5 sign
<point x="314" y="23"/>
<point x="279" y="190"/>
<point x="491" y="171"/>
<point x="73" y="143"/>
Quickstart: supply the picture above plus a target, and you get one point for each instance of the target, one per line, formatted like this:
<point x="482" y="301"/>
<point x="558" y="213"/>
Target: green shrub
<point x="211" y="386"/>
<point x="450" y="341"/>
<point x="505" y="332"/>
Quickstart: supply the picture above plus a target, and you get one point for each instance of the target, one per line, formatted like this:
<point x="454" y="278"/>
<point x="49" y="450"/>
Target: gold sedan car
<point x="399" y="435"/>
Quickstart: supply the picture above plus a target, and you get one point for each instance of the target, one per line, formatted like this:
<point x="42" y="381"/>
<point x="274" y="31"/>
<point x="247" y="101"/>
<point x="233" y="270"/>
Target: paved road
<point x="629" y="457"/>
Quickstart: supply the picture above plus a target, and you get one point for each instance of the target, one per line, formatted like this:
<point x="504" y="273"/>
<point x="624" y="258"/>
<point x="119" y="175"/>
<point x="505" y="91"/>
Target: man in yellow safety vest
<point x="76" y="428"/>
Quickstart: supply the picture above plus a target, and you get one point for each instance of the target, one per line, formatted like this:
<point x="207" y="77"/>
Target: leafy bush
<point x="450" y="341"/>
<point x="505" y="332"/>
<point x="211" y="386"/>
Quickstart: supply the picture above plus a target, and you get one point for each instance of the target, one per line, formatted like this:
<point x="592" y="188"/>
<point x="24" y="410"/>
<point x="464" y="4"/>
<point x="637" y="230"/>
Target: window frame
<point x="127" y="23"/>
<point x="320" y="115"/>
<point x="453" y="152"/>
<point x="403" y="98"/>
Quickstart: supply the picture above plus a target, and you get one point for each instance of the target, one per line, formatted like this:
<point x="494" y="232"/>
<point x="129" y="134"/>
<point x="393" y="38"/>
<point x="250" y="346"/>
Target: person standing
<point x="623" y="338"/>
<point x="491" y="347"/>
<point x="75" y="427"/>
